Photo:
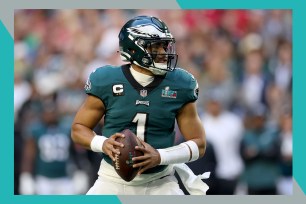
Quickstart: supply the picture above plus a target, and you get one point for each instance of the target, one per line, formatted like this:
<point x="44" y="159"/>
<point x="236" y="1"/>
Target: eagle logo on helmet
<point x="147" y="31"/>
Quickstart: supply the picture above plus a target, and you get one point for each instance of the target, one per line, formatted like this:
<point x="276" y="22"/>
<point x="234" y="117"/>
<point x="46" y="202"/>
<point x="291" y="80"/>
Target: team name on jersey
<point x="138" y="102"/>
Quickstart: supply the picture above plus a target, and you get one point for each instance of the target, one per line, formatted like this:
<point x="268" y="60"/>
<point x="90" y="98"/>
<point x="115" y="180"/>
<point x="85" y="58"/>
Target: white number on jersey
<point x="141" y="120"/>
<point x="54" y="147"/>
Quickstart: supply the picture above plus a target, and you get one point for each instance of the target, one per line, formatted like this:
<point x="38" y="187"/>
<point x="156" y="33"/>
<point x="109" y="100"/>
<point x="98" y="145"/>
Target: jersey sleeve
<point x="189" y="85"/>
<point x="91" y="86"/>
<point x="193" y="90"/>
<point x="96" y="83"/>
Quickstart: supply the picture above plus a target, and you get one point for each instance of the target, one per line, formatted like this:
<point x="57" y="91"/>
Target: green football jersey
<point x="149" y="111"/>
<point x="53" y="149"/>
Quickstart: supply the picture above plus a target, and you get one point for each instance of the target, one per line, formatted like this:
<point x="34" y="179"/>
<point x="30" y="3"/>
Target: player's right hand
<point x="110" y="146"/>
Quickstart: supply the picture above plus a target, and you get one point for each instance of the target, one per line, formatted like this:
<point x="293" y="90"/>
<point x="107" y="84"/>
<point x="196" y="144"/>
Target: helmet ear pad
<point x="147" y="59"/>
<point x="138" y="54"/>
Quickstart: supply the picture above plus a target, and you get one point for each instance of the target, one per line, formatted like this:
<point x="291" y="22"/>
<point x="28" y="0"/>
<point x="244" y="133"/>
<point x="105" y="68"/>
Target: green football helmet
<point x="147" y="42"/>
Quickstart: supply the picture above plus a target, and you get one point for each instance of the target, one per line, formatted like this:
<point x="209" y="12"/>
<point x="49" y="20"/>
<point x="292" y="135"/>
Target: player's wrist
<point x="97" y="142"/>
<point x="158" y="157"/>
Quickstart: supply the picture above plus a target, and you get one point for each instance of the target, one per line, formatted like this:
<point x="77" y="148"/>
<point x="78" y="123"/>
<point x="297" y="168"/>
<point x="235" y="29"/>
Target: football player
<point x="145" y="95"/>
<point x="46" y="155"/>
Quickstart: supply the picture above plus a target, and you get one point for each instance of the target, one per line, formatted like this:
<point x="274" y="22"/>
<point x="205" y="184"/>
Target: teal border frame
<point x="7" y="109"/>
<point x="7" y="117"/>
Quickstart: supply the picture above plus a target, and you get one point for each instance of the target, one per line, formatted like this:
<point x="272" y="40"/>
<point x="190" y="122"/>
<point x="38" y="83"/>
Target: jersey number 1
<point x="141" y="120"/>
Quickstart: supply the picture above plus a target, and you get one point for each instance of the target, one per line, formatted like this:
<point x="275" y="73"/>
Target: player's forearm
<point x="28" y="156"/>
<point x="197" y="135"/>
<point x="82" y="135"/>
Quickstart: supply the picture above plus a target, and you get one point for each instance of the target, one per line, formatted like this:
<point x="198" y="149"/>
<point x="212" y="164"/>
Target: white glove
<point x="27" y="184"/>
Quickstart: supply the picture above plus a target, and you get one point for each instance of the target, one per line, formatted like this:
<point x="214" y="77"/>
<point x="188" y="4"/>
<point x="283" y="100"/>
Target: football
<point x="123" y="163"/>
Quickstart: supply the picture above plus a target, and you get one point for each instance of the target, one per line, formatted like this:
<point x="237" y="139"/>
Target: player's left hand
<point x="150" y="158"/>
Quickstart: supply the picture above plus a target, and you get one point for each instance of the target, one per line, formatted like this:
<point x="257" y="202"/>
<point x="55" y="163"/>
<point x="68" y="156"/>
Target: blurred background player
<point x="260" y="150"/>
<point x="46" y="165"/>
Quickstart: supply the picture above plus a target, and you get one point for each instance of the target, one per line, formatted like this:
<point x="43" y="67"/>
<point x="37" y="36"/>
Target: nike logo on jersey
<point x="138" y="102"/>
<point x="143" y="92"/>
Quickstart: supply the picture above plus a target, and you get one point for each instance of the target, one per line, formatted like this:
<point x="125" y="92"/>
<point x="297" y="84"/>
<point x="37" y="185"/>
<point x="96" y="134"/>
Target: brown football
<point x="123" y="163"/>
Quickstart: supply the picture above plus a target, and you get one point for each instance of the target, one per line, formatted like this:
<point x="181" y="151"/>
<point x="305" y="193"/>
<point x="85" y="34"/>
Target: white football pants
<point x="109" y="183"/>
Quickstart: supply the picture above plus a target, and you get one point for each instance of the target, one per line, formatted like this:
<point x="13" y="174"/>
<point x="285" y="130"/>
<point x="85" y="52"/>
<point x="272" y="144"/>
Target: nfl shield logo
<point x="143" y="93"/>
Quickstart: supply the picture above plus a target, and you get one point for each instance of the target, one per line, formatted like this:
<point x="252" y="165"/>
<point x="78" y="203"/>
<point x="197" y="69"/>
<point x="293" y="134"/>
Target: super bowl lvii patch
<point x="168" y="93"/>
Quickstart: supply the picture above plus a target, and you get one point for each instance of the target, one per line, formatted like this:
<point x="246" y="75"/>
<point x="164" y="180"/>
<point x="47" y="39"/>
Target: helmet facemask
<point x="159" y="55"/>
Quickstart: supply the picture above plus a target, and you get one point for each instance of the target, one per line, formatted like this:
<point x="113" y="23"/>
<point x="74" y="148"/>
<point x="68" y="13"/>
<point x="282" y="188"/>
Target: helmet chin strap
<point x="155" y="70"/>
<point x="161" y="71"/>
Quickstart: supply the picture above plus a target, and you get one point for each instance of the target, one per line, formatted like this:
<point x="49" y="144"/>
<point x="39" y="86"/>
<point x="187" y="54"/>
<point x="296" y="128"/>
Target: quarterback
<point x="147" y="95"/>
